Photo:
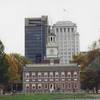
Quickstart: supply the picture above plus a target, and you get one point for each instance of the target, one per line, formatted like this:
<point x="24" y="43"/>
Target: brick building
<point x="50" y="76"/>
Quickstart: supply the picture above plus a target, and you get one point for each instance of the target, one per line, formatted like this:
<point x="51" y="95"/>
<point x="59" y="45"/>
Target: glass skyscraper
<point x="35" y="38"/>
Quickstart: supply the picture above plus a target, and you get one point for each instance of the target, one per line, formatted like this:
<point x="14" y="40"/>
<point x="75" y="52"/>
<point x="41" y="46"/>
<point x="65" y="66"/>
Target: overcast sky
<point x="85" y="13"/>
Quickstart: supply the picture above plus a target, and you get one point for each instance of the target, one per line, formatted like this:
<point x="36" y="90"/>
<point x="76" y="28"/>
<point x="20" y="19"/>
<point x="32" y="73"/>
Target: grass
<point x="46" y="96"/>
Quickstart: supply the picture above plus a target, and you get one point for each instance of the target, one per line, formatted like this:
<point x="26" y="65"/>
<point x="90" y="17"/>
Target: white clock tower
<point x="51" y="47"/>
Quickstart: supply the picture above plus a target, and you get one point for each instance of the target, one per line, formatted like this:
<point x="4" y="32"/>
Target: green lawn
<point x="45" y="97"/>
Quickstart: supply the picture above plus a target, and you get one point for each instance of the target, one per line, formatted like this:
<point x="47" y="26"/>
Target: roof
<point x="65" y="23"/>
<point x="48" y="67"/>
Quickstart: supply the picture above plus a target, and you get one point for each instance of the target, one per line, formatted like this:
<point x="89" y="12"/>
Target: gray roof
<point x="48" y="67"/>
<point x="65" y="23"/>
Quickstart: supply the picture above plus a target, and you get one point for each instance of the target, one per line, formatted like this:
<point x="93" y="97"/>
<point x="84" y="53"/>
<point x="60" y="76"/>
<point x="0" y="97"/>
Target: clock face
<point x="51" y="51"/>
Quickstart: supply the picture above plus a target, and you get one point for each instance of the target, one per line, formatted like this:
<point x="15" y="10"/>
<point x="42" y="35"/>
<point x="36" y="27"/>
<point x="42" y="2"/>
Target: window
<point x="62" y="74"/>
<point x="51" y="39"/>
<point x="33" y="74"/>
<point x="64" y="29"/>
<point x="33" y="86"/>
<point x="56" y="74"/>
<point x="60" y="29"/>
<point x="75" y="74"/>
<point x="57" y="30"/>
<point x="45" y="74"/>
<point x="39" y="74"/>
<point x="27" y="75"/>
<point x="75" y="85"/>
<point x="68" y="29"/>
<point x="27" y="85"/>
<point x="69" y="74"/>
<point x="51" y="74"/>
<point x="72" y="29"/>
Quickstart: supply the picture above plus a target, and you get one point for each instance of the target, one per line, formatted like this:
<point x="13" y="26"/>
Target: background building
<point x="67" y="40"/>
<point x="35" y="38"/>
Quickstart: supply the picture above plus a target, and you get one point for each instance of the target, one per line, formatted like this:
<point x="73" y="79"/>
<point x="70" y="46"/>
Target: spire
<point x="51" y="47"/>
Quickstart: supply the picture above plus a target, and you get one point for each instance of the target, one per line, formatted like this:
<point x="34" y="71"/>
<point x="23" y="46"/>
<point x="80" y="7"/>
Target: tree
<point x="16" y="63"/>
<point x="90" y="67"/>
<point x="4" y="77"/>
<point x="1" y="50"/>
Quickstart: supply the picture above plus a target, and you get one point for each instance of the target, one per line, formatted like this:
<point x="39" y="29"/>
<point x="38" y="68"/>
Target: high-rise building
<point x="35" y="38"/>
<point x="67" y="40"/>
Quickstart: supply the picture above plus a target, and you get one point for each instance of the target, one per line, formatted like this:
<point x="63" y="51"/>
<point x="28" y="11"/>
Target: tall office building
<point x="67" y="40"/>
<point x="35" y="38"/>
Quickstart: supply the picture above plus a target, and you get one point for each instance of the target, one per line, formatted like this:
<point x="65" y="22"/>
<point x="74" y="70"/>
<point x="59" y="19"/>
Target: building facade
<point x="35" y="38"/>
<point x="51" y="76"/>
<point x="46" y="78"/>
<point x="67" y="40"/>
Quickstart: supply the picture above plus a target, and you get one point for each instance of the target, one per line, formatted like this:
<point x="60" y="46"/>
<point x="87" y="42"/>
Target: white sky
<point x="85" y="13"/>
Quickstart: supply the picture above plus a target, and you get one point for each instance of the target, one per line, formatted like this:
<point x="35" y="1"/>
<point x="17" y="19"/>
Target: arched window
<point x="33" y="86"/>
<point x="39" y="74"/>
<point x="75" y="74"/>
<point x="75" y="85"/>
<point x="27" y="75"/>
<point x="33" y="74"/>
<point x="62" y="74"/>
<point x="45" y="74"/>
<point x="56" y="74"/>
<point x="51" y="74"/>
<point x="27" y="86"/>
<point x="69" y="74"/>
<point x="51" y="39"/>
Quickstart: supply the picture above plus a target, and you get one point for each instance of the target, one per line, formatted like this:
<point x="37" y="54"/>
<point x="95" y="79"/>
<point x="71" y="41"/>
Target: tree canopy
<point x="89" y="67"/>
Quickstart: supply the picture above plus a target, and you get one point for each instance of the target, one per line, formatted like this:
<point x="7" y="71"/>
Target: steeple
<point x="51" y="47"/>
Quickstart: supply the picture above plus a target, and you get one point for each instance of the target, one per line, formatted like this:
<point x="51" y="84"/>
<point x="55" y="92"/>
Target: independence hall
<point x="50" y="76"/>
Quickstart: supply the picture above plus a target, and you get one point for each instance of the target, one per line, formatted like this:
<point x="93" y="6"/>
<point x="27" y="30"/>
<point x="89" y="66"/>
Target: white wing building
<point x="67" y="40"/>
